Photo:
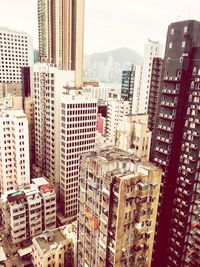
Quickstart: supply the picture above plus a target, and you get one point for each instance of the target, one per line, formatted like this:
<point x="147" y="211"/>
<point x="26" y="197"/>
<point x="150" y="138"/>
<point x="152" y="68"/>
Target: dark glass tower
<point x="176" y="146"/>
<point x="127" y="87"/>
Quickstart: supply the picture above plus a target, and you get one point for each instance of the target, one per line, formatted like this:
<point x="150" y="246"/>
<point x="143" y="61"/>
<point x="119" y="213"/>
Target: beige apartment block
<point x="29" y="210"/>
<point x="14" y="149"/>
<point x="133" y="135"/>
<point x="118" y="203"/>
<point x="61" y="34"/>
<point x="55" y="248"/>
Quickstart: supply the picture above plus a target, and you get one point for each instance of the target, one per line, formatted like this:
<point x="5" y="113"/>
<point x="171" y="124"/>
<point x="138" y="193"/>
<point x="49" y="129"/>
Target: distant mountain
<point x="108" y="66"/>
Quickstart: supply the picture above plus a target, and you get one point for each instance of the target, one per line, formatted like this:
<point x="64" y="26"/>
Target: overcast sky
<point x="109" y="24"/>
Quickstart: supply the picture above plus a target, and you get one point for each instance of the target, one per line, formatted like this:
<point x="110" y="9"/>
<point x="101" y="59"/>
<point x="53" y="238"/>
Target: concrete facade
<point x="29" y="210"/>
<point x="14" y="150"/>
<point x="61" y="34"/>
<point x="78" y="136"/>
<point x="118" y="203"/>
<point x="133" y="135"/>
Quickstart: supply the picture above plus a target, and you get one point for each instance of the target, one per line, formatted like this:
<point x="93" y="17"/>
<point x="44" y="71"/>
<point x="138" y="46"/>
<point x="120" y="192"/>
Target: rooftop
<point x="21" y="194"/>
<point x="113" y="161"/>
<point x="50" y="240"/>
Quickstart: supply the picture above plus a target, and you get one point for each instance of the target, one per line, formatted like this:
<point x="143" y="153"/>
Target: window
<point x="172" y="31"/>
<point x="194" y="71"/>
<point x="170" y="45"/>
<point x="183" y="44"/>
<point x="181" y="60"/>
<point x="185" y="29"/>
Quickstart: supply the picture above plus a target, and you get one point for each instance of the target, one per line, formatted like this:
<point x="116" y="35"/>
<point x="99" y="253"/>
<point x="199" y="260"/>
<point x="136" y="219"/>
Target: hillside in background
<point x="107" y="66"/>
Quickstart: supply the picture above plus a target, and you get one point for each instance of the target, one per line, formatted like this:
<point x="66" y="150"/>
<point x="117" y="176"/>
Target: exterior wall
<point x="155" y="87"/>
<point x="58" y="252"/>
<point x="133" y="135"/>
<point x="61" y="34"/>
<point x="28" y="212"/>
<point x="151" y="50"/>
<point x="98" y="92"/>
<point x="130" y="87"/>
<point x="101" y="124"/>
<point x="14" y="148"/>
<point x="49" y="83"/>
<point x="174" y="146"/>
<point x="116" y="109"/>
<point x="118" y="208"/>
<point x="78" y="136"/>
<point x="18" y="47"/>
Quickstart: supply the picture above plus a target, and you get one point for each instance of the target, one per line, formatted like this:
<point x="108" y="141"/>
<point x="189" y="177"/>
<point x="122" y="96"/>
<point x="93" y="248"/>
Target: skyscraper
<point x="16" y="52"/>
<point x="49" y="83"/>
<point x="78" y="136"/>
<point x="130" y="86"/>
<point x="152" y="49"/>
<point x="117" y="209"/>
<point x="61" y="30"/>
<point x="176" y="148"/>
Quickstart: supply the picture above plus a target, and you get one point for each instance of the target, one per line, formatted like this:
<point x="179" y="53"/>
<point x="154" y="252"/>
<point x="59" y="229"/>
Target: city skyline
<point x="106" y="34"/>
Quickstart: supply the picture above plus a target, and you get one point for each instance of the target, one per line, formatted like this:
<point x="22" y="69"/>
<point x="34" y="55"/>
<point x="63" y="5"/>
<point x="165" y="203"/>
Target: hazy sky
<point x="109" y="24"/>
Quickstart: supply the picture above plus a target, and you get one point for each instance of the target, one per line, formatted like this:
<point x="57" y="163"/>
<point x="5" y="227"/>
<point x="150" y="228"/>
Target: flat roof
<point x="49" y="240"/>
<point x="24" y="251"/>
<point x="40" y="181"/>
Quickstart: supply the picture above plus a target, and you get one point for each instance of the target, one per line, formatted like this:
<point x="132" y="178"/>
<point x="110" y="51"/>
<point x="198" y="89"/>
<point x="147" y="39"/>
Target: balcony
<point x="170" y="91"/>
<point x="165" y="128"/>
<point x="160" y="161"/>
<point x="167" y="116"/>
<point x="168" y="104"/>
<point x="171" y="79"/>
<point x="161" y="150"/>
<point x="164" y="139"/>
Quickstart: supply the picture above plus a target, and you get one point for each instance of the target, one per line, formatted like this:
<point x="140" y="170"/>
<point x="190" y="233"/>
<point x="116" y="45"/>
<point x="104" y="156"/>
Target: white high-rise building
<point x="116" y="109"/>
<point x="16" y="52"/>
<point x="49" y="82"/>
<point x="152" y="49"/>
<point x="14" y="150"/>
<point x="78" y="136"/>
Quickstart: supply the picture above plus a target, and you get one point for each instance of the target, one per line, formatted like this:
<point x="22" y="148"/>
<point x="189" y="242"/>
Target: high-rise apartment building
<point x="116" y="109"/>
<point x="78" y="136"/>
<point x="49" y="83"/>
<point x="28" y="106"/>
<point x="16" y="52"/>
<point x="155" y="86"/>
<point x="29" y="211"/>
<point x="14" y="150"/>
<point x="61" y="32"/>
<point x="130" y="86"/>
<point x="152" y="49"/>
<point x="176" y="149"/>
<point x="133" y="135"/>
<point x="117" y="209"/>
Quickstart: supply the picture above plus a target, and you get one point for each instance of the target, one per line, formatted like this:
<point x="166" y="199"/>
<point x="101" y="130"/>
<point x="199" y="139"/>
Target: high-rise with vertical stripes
<point x="61" y="32"/>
